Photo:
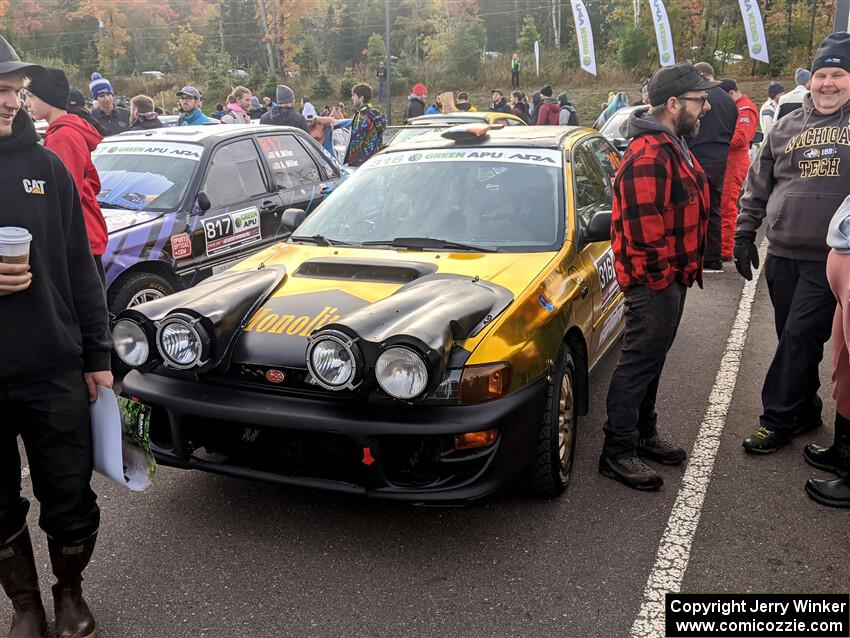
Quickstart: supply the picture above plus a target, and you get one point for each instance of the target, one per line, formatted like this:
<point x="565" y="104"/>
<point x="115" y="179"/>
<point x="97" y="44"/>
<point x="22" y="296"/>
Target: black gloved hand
<point x="746" y="254"/>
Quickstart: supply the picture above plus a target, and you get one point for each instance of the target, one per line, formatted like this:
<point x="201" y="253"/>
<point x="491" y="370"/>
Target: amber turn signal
<point x="471" y="440"/>
<point x="485" y="382"/>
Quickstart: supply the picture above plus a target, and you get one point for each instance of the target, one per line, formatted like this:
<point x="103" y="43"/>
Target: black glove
<point x="746" y="255"/>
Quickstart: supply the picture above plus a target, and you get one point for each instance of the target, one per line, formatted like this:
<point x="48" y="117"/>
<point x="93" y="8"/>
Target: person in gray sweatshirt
<point x="836" y="458"/>
<point x="798" y="180"/>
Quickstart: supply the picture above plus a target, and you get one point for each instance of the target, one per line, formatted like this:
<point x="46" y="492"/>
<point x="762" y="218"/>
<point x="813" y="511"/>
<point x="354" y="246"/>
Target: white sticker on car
<point x="538" y="156"/>
<point x="230" y="230"/>
<point x="608" y="286"/>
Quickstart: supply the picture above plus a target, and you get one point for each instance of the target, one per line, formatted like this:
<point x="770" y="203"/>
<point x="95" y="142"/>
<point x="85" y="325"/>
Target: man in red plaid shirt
<point x="658" y="231"/>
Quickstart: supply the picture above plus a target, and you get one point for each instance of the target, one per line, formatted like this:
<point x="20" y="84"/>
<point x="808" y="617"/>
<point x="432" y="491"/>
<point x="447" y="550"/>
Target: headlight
<point x="130" y="342"/>
<point x="401" y="373"/>
<point x="333" y="360"/>
<point x="181" y="341"/>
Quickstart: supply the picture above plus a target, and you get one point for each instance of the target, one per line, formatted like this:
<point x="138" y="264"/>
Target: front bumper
<point x="396" y="452"/>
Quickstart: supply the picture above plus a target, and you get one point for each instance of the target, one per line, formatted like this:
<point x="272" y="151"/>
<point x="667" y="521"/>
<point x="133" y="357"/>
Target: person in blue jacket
<point x="190" y="108"/>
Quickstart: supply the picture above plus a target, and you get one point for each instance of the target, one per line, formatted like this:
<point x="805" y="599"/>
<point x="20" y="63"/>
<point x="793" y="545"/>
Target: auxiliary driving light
<point x="401" y="373"/>
<point x="181" y="341"/>
<point x="130" y="343"/>
<point x="333" y="360"/>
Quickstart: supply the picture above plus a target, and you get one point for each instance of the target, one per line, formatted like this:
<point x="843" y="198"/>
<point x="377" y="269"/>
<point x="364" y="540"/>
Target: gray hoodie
<point x="798" y="180"/>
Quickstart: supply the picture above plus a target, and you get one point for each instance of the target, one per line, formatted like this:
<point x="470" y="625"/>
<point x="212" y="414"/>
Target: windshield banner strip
<point x="170" y="149"/>
<point x="541" y="156"/>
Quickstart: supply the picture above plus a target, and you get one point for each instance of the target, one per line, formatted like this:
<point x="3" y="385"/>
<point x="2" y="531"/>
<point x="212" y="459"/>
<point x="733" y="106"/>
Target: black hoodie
<point x="60" y="322"/>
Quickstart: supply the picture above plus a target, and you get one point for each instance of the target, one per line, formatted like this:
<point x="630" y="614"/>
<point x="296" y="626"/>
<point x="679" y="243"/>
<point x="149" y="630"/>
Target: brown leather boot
<point x="20" y="582"/>
<point x="73" y="618"/>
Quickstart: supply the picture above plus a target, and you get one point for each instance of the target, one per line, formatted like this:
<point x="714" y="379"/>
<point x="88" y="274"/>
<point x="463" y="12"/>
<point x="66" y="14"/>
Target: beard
<point x="686" y="124"/>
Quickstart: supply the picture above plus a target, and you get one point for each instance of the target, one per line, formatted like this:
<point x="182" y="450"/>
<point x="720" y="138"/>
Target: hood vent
<point x="377" y="270"/>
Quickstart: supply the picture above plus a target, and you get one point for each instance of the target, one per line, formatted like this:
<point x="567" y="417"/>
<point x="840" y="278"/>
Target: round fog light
<point x="130" y="342"/>
<point x="401" y="373"/>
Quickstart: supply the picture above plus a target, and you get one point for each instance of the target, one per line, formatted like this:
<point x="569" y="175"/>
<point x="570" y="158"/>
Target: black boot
<point x="835" y="458"/>
<point x="73" y="618"/>
<point x="20" y="581"/>
<point x="835" y="493"/>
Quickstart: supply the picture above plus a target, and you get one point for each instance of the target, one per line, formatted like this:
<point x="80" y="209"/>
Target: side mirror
<point x="599" y="228"/>
<point x="758" y="138"/>
<point x="292" y="219"/>
<point x="204" y="202"/>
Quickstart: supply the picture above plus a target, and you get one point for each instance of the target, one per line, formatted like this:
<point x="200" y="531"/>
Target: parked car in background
<point x="183" y="203"/>
<point x="440" y="121"/>
<point x="614" y="129"/>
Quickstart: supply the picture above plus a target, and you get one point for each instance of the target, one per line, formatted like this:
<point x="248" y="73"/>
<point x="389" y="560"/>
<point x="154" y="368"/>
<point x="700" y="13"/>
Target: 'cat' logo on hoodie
<point x="34" y="186"/>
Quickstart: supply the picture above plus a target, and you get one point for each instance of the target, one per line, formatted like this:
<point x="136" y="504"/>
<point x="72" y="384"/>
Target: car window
<point x="291" y="164"/>
<point x="234" y="174"/>
<point x="593" y="185"/>
<point x="506" y="199"/>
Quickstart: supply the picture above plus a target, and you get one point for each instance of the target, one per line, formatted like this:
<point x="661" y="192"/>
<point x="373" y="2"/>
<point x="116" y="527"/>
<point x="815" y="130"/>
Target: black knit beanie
<point x="50" y="86"/>
<point x="834" y="51"/>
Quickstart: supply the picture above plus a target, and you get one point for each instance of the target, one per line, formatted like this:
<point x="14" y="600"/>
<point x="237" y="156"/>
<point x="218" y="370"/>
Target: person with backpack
<point x="549" y="109"/>
<point x="238" y="103"/>
<point x="567" y="116"/>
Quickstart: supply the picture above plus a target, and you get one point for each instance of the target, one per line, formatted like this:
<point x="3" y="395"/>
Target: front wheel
<point x="137" y="288"/>
<point x="556" y="442"/>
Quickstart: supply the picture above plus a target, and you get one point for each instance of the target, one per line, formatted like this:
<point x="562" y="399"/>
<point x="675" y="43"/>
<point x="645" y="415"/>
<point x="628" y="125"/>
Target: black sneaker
<point x="712" y="265"/>
<point x="630" y="471"/>
<point x="765" y="441"/>
<point x="661" y="451"/>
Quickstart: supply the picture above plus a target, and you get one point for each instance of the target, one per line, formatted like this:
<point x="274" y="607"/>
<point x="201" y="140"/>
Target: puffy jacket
<point x="73" y="139"/>
<point x="415" y="107"/>
<point x="659" y="215"/>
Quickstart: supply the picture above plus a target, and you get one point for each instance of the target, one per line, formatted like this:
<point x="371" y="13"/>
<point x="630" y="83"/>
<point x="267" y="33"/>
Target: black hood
<point x="23" y="134"/>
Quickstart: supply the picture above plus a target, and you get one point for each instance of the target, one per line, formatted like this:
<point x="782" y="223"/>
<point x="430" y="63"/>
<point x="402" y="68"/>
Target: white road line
<point x="674" y="550"/>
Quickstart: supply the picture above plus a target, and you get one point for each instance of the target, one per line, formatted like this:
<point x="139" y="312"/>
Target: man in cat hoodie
<point x="73" y="140"/>
<point x="54" y="352"/>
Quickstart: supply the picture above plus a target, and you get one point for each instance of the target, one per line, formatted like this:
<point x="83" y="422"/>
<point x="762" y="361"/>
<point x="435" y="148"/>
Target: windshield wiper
<point x="425" y="243"/>
<point x="320" y="240"/>
<point x="118" y="206"/>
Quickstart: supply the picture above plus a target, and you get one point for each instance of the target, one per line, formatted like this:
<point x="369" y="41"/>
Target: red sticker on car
<point x="181" y="246"/>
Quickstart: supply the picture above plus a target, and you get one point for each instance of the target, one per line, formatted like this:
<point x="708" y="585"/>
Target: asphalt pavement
<point x="200" y="555"/>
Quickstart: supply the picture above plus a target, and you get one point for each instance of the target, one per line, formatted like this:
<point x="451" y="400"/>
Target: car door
<point x="240" y="201"/>
<point x="301" y="178"/>
<point x="594" y="164"/>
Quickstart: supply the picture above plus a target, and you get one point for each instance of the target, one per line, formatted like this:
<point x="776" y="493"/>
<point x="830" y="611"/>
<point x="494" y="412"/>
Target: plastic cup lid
<point x="14" y="235"/>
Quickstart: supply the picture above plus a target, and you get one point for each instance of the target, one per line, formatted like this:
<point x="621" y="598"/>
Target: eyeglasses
<point x="701" y="100"/>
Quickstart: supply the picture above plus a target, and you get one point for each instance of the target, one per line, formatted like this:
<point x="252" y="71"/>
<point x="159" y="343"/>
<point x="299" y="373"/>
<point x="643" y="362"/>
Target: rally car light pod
<point x="182" y="341"/>
<point x="130" y="343"/>
<point x="466" y="132"/>
<point x="334" y="360"/>
<point x="401" y="373"/>
<point x="486" y="382"/>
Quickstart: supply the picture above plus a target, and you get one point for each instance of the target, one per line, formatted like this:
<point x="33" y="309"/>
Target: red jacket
<point x="660" y="210"/>
<point x="745" y="127"/>
<point x="549" y="112"/>
<point x="73" y="139"/>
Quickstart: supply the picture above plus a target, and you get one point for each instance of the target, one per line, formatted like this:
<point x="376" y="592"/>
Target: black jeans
<point x="514" y="79"/>
<point x="52" y="418"/>
<point x="652" y="319"/>
<point x="803" y="308"/>
<point x="716" y="173"/>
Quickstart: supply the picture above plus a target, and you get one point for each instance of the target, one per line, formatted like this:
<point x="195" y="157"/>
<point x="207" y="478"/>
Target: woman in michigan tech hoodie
<point x="72" y="139"/>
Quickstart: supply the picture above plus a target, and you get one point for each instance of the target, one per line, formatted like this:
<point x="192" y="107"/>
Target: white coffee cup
<point x="14" y="245"/>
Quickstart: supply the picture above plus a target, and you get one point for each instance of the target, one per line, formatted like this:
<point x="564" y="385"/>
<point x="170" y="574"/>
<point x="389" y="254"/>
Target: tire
<point x="552" y="468"/>
<point x="137" y="287"/>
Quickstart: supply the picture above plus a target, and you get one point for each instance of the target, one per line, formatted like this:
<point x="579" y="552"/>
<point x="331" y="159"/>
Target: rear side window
<point x="291" y="165"/>
<point x="235" y="174"/>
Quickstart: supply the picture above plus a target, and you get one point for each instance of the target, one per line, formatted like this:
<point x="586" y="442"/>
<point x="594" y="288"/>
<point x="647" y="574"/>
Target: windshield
<point x="615" y="127"/>
<point x="147" y="176"/>
<point x="508" y="199"/>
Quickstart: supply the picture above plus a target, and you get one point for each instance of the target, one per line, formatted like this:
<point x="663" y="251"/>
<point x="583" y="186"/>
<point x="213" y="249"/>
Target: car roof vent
<point x="378" y="270"/>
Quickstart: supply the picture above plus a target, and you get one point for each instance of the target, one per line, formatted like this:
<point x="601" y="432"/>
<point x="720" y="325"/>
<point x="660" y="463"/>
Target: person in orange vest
<point x="737" y="165"/>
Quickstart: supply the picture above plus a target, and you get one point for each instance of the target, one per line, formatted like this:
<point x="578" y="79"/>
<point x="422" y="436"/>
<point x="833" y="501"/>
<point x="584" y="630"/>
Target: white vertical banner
<point x="537" y="57"/>
<point x="663" y="35"/>
<point x="584" y="35"/>
<point x="755" y="29"/>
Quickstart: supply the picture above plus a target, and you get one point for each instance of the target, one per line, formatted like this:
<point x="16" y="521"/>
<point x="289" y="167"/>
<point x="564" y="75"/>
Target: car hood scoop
<point x="353" y="269"/>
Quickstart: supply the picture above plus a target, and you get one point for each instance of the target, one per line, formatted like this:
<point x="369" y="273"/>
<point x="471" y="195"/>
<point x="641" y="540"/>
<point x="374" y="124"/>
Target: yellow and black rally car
<point x="425" y="335"/>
